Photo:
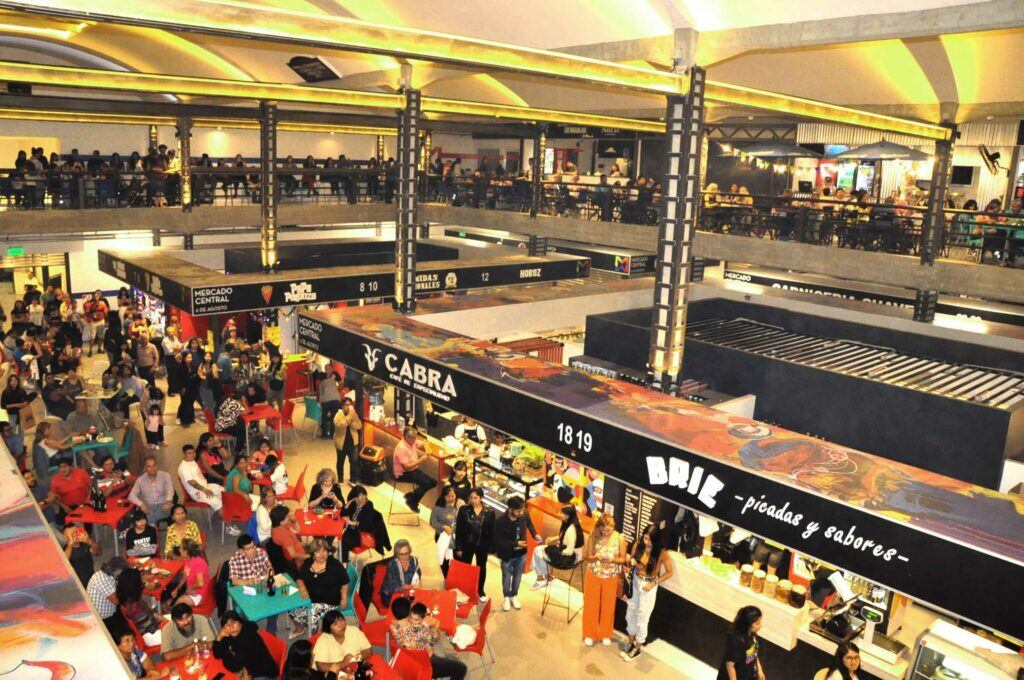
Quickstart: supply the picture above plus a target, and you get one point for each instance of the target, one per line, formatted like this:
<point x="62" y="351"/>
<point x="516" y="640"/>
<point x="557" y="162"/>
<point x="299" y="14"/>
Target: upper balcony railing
<point x="995" y="237"/>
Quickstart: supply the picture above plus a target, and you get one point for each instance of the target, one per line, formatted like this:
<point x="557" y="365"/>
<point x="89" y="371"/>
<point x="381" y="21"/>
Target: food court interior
<point x="667" y="338"/>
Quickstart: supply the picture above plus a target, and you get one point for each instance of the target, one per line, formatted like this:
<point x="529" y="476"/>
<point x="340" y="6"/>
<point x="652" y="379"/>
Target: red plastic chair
<point x="481" y="642"/>
<point x="285" y="422"/>
<point x="187" y="501"/>
<point x="298" y="492"/>
<point x="380" y="571"/>
<point x="375" y="631"/>
<point x="465" y="577"/>
<point x="210" y="420"/>
<point x="278" y="649"/>
<point x="411" y="664"/>
<point x="236" y="509"/>
<point x="139" y="642"/>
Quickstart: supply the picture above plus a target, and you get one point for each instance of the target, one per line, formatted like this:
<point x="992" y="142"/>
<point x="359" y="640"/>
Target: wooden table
<point x="208" y="669"/>
<point x="322" y="525"/>
<point x="441" y="600"/>
<point x="262" y="605"/>
<point x="174" y="567"/>
<point x="117" y="509"/>
<point x="257" y="413"/>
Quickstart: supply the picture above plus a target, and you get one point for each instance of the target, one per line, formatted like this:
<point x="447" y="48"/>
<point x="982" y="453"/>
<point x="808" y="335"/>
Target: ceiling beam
<point x="241" y="20"/>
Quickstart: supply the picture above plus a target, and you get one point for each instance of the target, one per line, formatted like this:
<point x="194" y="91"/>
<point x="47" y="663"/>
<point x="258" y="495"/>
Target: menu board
<point x="637" y="512"/>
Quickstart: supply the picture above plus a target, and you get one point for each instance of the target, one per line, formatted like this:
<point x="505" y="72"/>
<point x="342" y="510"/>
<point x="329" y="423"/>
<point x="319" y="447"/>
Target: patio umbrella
<point x="779" y="150"/>
<point x="883" y="151"/>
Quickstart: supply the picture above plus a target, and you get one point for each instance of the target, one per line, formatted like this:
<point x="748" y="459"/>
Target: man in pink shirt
<point x="406" y="460"/>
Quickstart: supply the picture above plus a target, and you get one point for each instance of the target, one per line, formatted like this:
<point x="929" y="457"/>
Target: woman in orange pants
<point x="605" y="555"/>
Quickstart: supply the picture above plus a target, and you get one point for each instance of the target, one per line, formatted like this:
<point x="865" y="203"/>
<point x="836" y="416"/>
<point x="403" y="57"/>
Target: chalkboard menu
<point x="637" y="512"/>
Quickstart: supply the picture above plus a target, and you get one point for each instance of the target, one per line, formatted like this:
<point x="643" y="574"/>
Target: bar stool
<point x="409" y="486"/>
<point x="567" y="577"/>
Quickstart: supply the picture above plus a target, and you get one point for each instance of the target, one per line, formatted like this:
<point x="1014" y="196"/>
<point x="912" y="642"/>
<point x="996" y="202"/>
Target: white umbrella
<point x="883" y="151"/>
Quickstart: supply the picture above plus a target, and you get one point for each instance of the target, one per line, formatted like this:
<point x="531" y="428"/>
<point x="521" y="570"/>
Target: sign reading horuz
<point x="199" y="290"/>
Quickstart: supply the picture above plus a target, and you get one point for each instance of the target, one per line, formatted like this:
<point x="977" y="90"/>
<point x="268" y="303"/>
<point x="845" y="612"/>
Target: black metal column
<point x="405" y="225"/>
<point x="934" y="226"/>
<point x="188" y="240"/>
<point x="153" y="137"/>
<point x="537" y="246"/>
<point x="184" y="133"/>
<point x="379" y="151"/>
<point x="685" y="132"/>
<point x="268" y="186"/>
<point x="537" y="170"/>
<point x="405" y="406"/>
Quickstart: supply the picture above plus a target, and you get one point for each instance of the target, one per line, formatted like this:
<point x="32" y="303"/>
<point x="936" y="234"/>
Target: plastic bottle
<point x="206" y="649"/>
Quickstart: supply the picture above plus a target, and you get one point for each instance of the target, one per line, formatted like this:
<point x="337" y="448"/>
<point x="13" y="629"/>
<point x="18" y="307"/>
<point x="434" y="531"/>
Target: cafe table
<point x="148" y="565"/>
<point x="382" y="670"/>
<point x="322" y="525"/>
<point x="257" y="413"/>
<point x="98" y="394"/>
<point x="116" y="510"/>
<point x="262" y="605"/>
<point x="208" y="669"/>
<point x="103" y="441"/>
<point x="441" y="603"/>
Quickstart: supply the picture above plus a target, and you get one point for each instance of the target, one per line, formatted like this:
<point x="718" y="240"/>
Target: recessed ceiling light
<point x="750" y="118"/>
<point x="988" y="117"/>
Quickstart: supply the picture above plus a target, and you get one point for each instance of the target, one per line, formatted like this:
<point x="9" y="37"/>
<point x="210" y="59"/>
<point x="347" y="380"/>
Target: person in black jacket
<point x="474" y="535"/>
<point x="510" y="546"/>
<point x="364" y="525"/>
<point x="239" y="646"/>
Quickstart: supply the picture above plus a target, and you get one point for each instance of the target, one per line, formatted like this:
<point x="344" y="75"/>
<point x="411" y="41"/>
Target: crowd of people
<point x="218" y="385"/>
<point x="154" y="179"/>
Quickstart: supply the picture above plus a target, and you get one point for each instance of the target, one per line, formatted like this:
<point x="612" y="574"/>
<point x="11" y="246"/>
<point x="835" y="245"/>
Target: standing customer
<point x="846" y="662"/>
<point x="742" y="657"/>
<point x="510" y="546"/>
<point x="605" y="555"/>
<point x="329" y="400"/>
<point x="146" y="358"/>
<point x="651" y="566"/>
<point x="474" y="535"/>
<point x="346" y="440"/>
<point x="442" y="520"/>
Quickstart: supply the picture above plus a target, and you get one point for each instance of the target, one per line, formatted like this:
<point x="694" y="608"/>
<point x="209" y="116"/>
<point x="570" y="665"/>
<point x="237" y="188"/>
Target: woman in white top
<point x="562" y="552"/>
<point x="846" y="664"/>
<point x="268" y="499"/>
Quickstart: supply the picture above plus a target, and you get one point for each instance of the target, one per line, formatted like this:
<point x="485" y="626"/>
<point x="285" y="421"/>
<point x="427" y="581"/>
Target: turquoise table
<point x="262" y="606"/>
<point x="95" y="444"/>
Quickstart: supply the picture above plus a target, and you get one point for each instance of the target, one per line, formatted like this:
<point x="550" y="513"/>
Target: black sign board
<point x="907" y="555"/>
<point x="225" y="297"/>
<point x="588" y="131"/>
<point x="312" y="69"/>
<point x="996" y="313"/>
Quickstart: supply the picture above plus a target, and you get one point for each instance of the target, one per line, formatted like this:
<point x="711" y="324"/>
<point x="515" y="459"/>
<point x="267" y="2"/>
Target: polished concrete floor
<point x="524" y="643"/>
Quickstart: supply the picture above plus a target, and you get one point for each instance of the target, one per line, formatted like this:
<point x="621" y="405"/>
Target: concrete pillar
<point x="268" y="186"/>
<point x="184" y="133"/>
<point x="685" y="133"/>
<point x="537" y="176"/>
<point x="405" y="225"/>
<point x="933" y="228"/>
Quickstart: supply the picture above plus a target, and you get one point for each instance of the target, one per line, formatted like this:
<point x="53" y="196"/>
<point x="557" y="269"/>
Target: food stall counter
<point x="724" y="596"/>
<point x="868" y="662"/>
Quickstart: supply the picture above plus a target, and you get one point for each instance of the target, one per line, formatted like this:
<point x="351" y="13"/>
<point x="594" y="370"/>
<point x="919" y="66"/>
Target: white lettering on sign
<point x="300" y="292"/>
<point x="680" y="474"/>
<point x="429" y="381"/>
<point x="530" y="273"/>
<point x="735" y="276"/>
<point x="428" y="281"/>
<point x="203" y="297"/>
<point x="309" y="332"/>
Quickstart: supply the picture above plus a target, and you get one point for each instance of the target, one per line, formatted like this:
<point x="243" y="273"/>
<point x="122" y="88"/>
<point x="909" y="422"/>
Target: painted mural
<point x="941" y="505"/>
<point x="48" y="630"/>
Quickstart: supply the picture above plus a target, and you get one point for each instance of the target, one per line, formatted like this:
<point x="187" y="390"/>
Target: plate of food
<point x="104" y="439"/>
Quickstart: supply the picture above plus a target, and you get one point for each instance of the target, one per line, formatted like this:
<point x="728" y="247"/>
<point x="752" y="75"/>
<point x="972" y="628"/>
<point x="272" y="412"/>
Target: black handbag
<point x="627" y="583"/>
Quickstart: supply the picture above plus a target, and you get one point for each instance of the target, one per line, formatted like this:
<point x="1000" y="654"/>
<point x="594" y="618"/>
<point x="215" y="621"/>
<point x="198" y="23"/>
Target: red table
<point x="319" y="525"/>
<point x="117" y="509"/>
<point x="382" y="670"/>
<point x="172" y="566"/>
<point x="261" y="412"/>
<point x="443" y="601"/>
<point x="210" y="668"/>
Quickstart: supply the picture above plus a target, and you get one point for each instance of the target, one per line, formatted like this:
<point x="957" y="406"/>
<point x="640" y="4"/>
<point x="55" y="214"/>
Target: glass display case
<point x="500" y="481"/>
<point x="945" y="652"/>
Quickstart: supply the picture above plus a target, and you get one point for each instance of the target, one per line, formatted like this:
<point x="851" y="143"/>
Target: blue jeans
<point x="511" y="575"/>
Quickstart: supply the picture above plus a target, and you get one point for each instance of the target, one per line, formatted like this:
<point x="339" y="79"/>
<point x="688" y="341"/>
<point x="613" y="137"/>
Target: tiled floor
<point x="524" y="643"/>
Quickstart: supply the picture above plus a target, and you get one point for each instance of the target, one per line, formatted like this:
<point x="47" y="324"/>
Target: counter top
<point x="724" y="597"/>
